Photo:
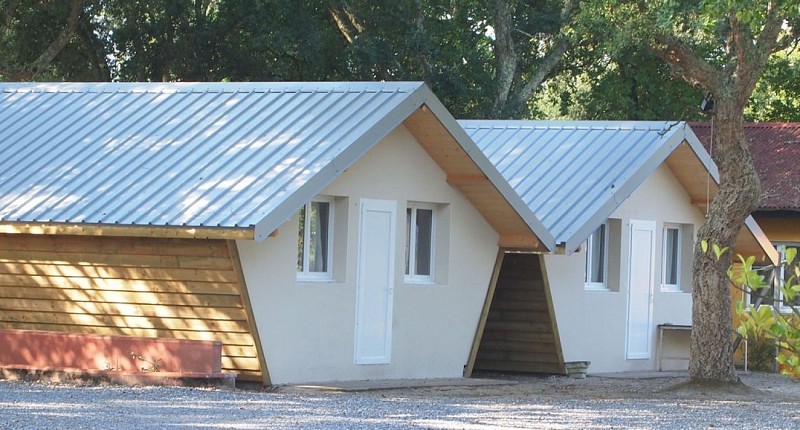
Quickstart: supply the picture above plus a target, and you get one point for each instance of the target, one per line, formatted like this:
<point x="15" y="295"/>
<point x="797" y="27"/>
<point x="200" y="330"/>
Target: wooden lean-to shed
<point x="623" y="201"/>
<point x="320" y="231"/>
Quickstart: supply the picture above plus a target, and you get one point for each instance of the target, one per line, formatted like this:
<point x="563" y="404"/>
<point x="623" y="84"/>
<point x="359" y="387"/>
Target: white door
<point x="375" y="282"/>
<point x="641" y="282"/>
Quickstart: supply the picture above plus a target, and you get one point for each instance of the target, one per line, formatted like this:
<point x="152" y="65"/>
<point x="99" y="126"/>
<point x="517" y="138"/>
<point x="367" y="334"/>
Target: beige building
<point x="623" y="201"/>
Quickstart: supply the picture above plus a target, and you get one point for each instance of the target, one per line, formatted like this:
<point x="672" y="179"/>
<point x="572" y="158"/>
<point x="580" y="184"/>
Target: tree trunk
<point x="738" y="195"/>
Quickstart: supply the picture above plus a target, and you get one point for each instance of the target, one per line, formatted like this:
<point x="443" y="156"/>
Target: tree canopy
<point x="484" y="59"/>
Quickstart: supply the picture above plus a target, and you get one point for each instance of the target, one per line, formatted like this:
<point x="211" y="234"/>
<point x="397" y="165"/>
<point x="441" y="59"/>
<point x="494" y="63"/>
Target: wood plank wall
<point x="520" y="334"/>
<point x="169" y="288"/>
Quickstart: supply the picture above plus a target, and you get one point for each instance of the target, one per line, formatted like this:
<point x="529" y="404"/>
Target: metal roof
<point x="213" y="155"/>
<point x="179" y="158"/>
<point x="573" y="174"/>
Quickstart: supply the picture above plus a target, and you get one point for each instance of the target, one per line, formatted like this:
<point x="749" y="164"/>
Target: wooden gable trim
<point x="487" y="304"/>
<point x="176" y="232"/>
<point x="552" y="311"/>
<point x="467" y="177"/>
<point x="248" y="307"/>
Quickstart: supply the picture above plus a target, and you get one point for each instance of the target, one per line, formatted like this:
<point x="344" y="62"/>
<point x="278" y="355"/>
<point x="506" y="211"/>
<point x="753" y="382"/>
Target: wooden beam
<point x="551" y="310"/>
<point x="179" y="232"/>
<point x="487" y="304"/>
<point x="467" y="179"/>
<point x="521" y="242"/>
<point x="248" y="306"/>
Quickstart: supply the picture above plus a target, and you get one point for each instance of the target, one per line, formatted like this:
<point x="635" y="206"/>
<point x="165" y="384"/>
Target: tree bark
<point x="505" y="57"/>
<point x="739" y="194"/>
<point x="739" y="191"/>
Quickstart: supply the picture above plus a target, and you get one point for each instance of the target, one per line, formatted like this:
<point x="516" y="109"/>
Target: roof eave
<point x="167" y="231"/>
<point x="626" y="189"/>
<point x="547" y="241"/>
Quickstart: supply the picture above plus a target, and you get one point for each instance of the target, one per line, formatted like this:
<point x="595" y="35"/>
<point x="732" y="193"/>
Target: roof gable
<point x="574" y="174"/>
<point x="228" y="160"/>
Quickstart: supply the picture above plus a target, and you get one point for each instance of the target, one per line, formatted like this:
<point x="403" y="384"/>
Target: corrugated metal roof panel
<point x="572" y="173"/>
<point x="176" y="154"/>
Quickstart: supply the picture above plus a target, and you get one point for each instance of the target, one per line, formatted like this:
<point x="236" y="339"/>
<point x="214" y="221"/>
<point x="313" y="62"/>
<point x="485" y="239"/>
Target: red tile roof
<point x="776" y="153"/>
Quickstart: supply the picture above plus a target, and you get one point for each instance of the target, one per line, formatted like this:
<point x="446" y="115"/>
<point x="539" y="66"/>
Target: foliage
<point x="768" y="322"/>
<point x="761" y="355"/>
<point x="777" y="94"/>
<point x="552" y="59"/>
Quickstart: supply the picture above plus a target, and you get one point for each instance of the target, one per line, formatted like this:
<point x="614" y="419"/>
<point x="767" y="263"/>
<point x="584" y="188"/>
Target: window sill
<point x="419" y="281"/>
<point x="672" y="289"/>
<point x="315" y="279"/>
<point x="597" y="288"/>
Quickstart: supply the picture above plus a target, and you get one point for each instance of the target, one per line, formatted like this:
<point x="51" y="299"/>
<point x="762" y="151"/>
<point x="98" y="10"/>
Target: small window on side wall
<point x="420" y="246"/>
<point x="597" y="259"/>
<point x="676" y="258"/>
<point x="671" y="266"/>
<point x="315" y="240"/>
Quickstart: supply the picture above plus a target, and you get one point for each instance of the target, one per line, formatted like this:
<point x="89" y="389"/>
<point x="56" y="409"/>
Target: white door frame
<point x="375" y="281"/>
<point x="641" y="269"/>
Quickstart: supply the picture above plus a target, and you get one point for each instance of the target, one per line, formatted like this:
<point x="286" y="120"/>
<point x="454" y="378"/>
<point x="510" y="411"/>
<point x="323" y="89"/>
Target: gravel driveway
<point x="531" y="403"/>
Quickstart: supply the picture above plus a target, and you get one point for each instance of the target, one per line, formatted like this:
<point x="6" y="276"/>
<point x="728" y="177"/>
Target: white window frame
<point x="306" y="274"/>
<point x="667" y="287"/>
<point x="411" y="244"/>
<point x="590" y="250"/>
<point x="781" y="275"/>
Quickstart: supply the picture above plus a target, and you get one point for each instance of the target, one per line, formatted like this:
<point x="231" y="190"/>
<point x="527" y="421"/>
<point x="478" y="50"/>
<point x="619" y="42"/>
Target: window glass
<point x="313" y="238"/>
<point x="419" y="242"/>
<point x="672" y="244"/>
<point x="318" y="237"/>
<point x="424" y="239"/>
<point x="597" y="259"/>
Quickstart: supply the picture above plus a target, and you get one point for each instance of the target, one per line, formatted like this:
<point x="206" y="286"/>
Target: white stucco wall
<point x="592" y="324"/>
<point x="307" y="329"/>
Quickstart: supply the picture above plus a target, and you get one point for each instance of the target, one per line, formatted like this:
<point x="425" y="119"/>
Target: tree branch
<point x="8" y="12"/>
<point x="755" y="57"/>
<point x="684" y="62"/>
<point x="422" y="50"/>
<point x="61" y="41"/>
<point x="347" y="23"/>
<point x="505" y="56"/>
<point x="543" y="69"/>
<point x="550" y="61"/>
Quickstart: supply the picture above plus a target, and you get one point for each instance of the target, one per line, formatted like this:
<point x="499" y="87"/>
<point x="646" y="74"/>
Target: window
<point x="775" y="278"/>
<point x="766" y="294"/>
<point x="420" y="222"/>
<point x="785" y="273"/>
<point x="597" y="259"/>
<point x="315" y="240"/>
<point x="671" y="265"/>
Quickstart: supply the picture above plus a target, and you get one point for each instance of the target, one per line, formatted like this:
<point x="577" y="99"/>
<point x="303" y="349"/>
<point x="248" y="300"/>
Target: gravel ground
<point x="531" y="403"/>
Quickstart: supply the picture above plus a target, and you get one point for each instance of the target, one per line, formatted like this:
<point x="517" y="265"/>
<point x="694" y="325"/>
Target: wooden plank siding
<point x="520" y="333"/>
<point x="167" y="288"/>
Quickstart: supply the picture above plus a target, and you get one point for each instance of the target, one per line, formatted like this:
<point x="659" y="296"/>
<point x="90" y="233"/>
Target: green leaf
<point x="704" y="245"/>
<point x="719" y="251"/>
<point x="791" y="253"/>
